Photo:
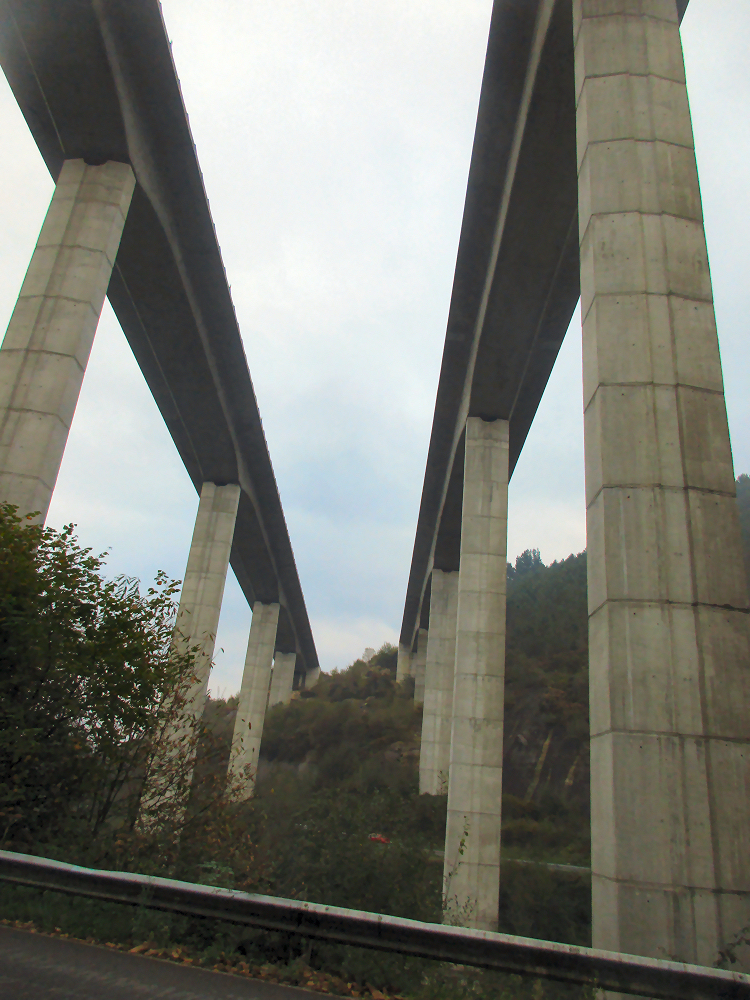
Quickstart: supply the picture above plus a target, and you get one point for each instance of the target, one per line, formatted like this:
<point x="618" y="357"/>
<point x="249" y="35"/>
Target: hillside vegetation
<point x="336" y="816"/>
<point x="340" y="763"/>
<point x="358" y="731"/>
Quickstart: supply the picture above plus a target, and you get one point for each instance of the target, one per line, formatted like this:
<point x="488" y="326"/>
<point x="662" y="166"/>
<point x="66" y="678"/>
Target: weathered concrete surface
<point x="282" y="679"/>
<point x="472" y="839"/>
<point x="403" y="663"/>
<point x="435" y="748"/>
<point x="203" y="585"/>
<point x="47" y="345"/>
<point x="670" y="684"/>
<point x="256" y="679"/>
<point x="311" y="678"/>
<point x="418" y="666"/>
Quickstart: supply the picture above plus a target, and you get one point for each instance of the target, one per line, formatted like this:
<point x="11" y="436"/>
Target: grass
<point x="272" y="956"/>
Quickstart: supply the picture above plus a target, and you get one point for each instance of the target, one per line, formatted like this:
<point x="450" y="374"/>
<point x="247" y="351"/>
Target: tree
<point x="87" y="679"/>
<point x="528" y="562"/>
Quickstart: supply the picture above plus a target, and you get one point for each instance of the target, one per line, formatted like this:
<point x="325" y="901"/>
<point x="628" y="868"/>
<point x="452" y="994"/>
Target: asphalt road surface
<point x="36" y="967"/>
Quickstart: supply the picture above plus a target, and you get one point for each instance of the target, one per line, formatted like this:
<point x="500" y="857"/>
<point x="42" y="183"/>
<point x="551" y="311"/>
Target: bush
<point x="96" y="751"/>
<point x="85" y="675"/>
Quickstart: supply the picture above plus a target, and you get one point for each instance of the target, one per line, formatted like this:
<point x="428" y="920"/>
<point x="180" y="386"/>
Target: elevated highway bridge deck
<point x="95" y="81"/>
<point x="516" y="280"/>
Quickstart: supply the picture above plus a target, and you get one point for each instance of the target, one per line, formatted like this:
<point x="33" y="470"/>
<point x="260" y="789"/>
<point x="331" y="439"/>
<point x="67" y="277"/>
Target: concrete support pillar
<point x="203" y="586"/>
<point x="49" y="337"/>
<point x="434" y="757"/>
<point x="418" y="665"/>
<point x="668" y="626"/>
<point x="403" y="663"/>
<point x="282" y="679"/>
<point x="256" y="678"/>
<point x="472" y="837"/>
<point x="311" y="678"/>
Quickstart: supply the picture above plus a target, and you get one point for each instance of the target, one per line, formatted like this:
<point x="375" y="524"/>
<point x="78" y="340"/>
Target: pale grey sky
<point x="335" y="138"/>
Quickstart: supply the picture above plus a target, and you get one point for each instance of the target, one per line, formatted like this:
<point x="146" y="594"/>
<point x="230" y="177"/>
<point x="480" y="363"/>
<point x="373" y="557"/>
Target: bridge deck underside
<point x="516" y="281"/>
<point x="95" y="80"/>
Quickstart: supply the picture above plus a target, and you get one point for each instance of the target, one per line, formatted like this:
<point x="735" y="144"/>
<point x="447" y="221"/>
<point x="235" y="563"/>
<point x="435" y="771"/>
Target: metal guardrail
<point x="482" y="949"/>
<point x="549" y="865"/>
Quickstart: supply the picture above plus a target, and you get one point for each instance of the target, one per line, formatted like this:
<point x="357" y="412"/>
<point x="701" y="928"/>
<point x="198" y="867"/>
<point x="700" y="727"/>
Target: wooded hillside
<point x="352" y="743"/>
<point x="336" y="816"/>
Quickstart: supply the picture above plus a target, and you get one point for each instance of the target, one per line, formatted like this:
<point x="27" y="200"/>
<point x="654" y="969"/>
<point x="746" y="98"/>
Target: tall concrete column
<point x="403" y="663"/>
<point x="49" y="337"/>
<point x="203" y="586"/>
<point x="434" y="756"/>
<point x="311" y="678"/>
<point x="282" y="679"/>
<point x="472" y="836"/>
<point x="669" y="657"/>
<point x="256" y="678"/>
<point x="418" y="666"/>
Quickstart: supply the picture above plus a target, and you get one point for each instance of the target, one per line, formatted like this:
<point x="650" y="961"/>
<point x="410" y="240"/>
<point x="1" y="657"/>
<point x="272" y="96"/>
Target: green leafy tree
<point x="87" y="680"/>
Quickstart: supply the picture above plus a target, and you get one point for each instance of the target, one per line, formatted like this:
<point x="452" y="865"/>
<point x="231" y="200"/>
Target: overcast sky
<point x="334" y="138"/>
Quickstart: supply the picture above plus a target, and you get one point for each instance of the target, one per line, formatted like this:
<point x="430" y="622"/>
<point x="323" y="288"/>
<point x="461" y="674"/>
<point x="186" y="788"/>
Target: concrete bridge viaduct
<point x="130" y="219"/>
<point x="583" y="183"/>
